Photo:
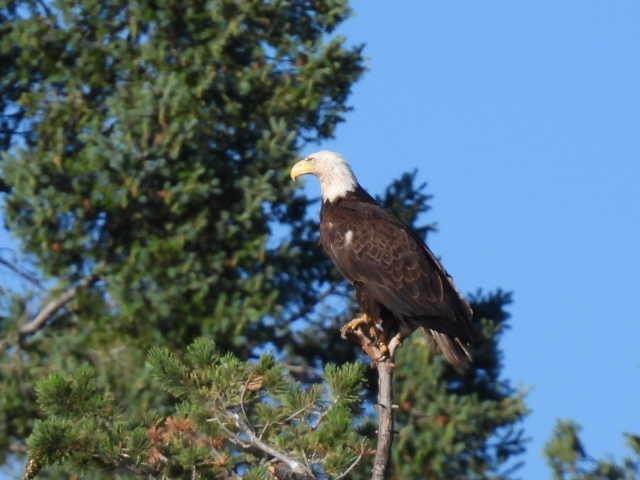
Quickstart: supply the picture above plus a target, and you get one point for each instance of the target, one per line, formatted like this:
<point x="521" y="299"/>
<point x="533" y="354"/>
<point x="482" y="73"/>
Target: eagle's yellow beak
<point x="303" y="167"/>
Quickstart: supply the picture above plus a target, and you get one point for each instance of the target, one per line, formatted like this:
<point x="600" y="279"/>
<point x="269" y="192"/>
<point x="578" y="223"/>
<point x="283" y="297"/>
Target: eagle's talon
<point x="384" y="352"/>
<point x="354" y="324"/>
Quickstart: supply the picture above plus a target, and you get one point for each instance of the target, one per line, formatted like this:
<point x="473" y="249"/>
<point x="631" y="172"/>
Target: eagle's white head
<point x="332" y="170"/>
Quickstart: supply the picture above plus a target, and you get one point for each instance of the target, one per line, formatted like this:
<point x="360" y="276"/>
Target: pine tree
<point x="569" y="460"/>
<point x="229" y="413"/>
<point x="146" y="154"/>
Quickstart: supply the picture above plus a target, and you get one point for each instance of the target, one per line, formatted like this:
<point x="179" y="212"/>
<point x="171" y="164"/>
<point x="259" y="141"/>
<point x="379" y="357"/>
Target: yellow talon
<point x="384" y="351"/>
<point x="372" y="337"/>
<point x="354" y="325"/>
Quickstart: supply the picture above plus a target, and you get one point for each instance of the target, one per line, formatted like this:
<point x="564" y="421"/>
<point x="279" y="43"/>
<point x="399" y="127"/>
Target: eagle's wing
<point x="395" y="266"/>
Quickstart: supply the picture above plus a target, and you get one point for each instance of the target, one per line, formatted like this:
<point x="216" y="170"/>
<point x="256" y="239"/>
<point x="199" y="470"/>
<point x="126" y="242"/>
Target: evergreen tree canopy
<point x="145" y="175"/>
<point x="569" y="460"/>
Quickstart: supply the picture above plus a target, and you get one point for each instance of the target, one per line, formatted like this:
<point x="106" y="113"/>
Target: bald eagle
<point x="396" y="277"/>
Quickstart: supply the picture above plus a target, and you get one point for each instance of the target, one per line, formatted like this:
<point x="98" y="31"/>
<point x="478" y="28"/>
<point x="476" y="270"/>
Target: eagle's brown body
<point x="396" y="277"/>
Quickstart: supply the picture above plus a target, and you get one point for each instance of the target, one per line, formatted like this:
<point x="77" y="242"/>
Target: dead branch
<point x="294" y="465"/>
<point x="385" y="419"/>
<point x="21" y="273"/>
<point x="246" y="438"/>
<point x="310" y="306"/>
<point x="41" y="319"/>
<point x="382" y="353"/>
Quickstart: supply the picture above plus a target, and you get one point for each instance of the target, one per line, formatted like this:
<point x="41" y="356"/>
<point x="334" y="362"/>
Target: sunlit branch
<point x="41" y="319"/>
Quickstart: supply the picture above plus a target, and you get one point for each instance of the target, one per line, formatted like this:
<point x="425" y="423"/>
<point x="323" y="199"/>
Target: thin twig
<point x="21" y="273"/>
<point x="285" y="421"/>
<point x="45" y="8"/>
<point x="264" y="429"/>
<point x="298" y="412"/>
<point x="232" y="436"/>
<point x="253" y="441"/>
<point x="296" y="369"/>
<point x="353" y="465"/>
<point x="323" y="414"/>
<point x="307" y="308"/>
<point x="53" y="306"/>
<point x="17" y="448"/>
<point x="242" y="394"/>
<point x="321" y="417"/>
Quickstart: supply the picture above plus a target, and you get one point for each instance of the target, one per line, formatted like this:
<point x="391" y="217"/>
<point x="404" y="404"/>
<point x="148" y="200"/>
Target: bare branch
<point x="295" y="466"/>
<point x="242" y="394"/>
<point x="253" y="441"/>
<point x="353" y="465"/>
<point x="385" y="419"/>
<point x="21" y="273"/>
<point x="17" y="448"/>
<point x="309" y="307"/>
<point x="373" y="339"/>
<point x="320" y="418"/>
<point x="298" y="412"/>
<point x="297" y="369"/>
<point x="286" y="420"/>
<point x="40" y="320"/>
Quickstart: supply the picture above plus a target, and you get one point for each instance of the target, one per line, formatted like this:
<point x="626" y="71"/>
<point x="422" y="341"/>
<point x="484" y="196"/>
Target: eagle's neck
<point x="337" y="182"/>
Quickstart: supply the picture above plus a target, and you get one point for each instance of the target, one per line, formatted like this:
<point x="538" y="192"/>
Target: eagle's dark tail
<point x="453" y="349"/>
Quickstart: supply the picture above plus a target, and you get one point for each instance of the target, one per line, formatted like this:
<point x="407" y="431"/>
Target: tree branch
<point x="310" y="306"/>
<point x="385" y="419"/>
<point x="45" y="8"/>
<point x="40" y="320"/>
<point x="21" y="273"/>
<point x="353" y="465"/>
<point x="252" y="440"/>
<point x="294" y="465"/>
<point x="372" y="338"/>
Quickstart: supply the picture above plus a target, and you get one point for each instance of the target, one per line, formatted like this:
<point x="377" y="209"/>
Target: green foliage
<point x="569" y="460"/>
<point x="222" y="402"/>
<point x="345" y="381"/>
<point x="452" y="427"/>
<point x="59" y="396"/>
<point x="158" y="145"/>
<point x="148" y="144"/>
<point x="83" y="426"/>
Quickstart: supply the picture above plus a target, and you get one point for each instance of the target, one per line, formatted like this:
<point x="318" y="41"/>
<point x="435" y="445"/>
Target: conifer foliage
<point x="229" y="413"/>
<point x="146" y="148"/>
<point x="569" y="459"/>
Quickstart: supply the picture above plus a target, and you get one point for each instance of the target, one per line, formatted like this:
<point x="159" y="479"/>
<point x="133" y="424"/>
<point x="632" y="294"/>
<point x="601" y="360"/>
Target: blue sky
<point x="524" y="118"/>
